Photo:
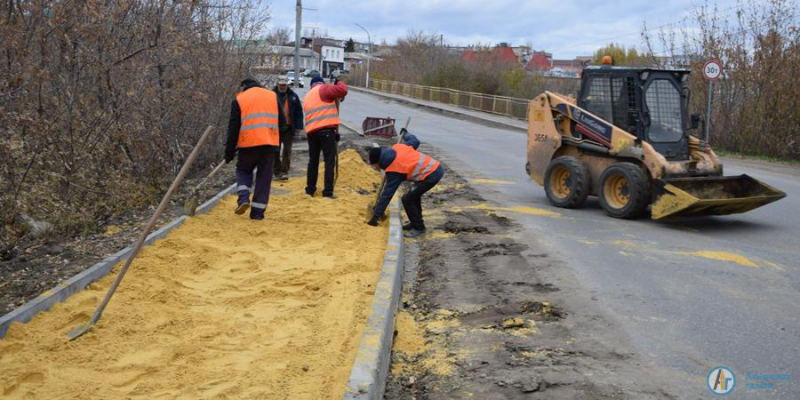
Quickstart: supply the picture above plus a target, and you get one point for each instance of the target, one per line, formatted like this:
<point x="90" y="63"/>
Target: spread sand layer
<point x="224" y="307"/>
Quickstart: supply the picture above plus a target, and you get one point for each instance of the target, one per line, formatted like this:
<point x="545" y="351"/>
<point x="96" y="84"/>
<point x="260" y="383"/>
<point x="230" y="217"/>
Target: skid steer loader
<point x="626" y="141"/>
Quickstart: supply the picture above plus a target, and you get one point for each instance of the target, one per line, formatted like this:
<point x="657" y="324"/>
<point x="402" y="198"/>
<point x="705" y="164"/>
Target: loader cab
<point x="647" y="103"/>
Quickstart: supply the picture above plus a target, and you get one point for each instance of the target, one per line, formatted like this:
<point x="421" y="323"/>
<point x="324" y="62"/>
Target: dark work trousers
<point x="323" y="140"/>
<point x="412" y="201"/>
<point x="284" y="159"/>
<point x="262" y="160"/>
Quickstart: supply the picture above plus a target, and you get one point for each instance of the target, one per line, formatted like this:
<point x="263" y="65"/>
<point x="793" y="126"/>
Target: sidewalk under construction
<point x="222" y="307"/>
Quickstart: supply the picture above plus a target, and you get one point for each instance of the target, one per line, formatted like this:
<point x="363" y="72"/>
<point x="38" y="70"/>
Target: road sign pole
<point x="708" y="115"/>
<point x="712" y="70"/>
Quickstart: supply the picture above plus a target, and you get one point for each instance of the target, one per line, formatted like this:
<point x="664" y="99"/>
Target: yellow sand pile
<point x="224" y="307"/>
<point x="354" y="173"/>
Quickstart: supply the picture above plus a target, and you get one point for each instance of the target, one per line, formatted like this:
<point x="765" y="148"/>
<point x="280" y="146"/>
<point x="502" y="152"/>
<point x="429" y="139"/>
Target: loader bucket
<point x="685" y="197"/>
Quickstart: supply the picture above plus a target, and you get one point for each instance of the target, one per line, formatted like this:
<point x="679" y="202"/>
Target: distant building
<point x="543" y="63"/>
<point x="265" y="57"/>
<point x="523" y="53"/>
<point x="501" y="54"/>
<point x="360" y="47"/>
<point x="332" y="58"/>
<point x="358" y="60"/>
<point x="282" y="58"/>
<point x="539" y="61"/>
<point x="568" y="68"/>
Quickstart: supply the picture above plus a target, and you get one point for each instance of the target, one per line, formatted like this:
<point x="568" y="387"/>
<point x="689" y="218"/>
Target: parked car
<point x="311" y="73"/>
<point x="339" y="73"/>
<point x="290" y="76"/>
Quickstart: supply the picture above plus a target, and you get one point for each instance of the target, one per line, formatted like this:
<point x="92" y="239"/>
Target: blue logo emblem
<point x="721" y="380"/>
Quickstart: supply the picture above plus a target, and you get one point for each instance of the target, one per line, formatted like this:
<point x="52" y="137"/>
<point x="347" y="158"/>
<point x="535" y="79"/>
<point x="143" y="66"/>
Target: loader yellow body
<point x="575" y="153"/>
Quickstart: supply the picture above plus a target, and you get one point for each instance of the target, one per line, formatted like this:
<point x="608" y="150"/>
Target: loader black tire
<point x="624" y="191"/>
<point x="567" y="182"/>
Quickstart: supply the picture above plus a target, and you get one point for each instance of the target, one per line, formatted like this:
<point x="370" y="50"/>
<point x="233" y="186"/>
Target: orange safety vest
<point x="286" y="109"/>
<point x="319" y="114"/>
<point x="416" y="165"/>
<point x="259" y="118"/>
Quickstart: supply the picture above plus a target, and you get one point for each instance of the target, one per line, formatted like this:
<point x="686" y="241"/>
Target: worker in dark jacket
<point x="322" y="129"/>
<point x="402" y="162"/>
<point x="289" y="102"/>
<point x="253" y="131"/>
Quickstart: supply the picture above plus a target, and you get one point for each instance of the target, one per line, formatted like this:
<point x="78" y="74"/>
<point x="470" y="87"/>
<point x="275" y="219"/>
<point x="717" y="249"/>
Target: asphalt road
<point x="738" y="305"/>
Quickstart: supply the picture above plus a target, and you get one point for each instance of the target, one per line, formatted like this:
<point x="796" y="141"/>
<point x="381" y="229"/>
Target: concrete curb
<point x="371" y="367"/>
<point x="48" y="299"/>
<point x="463" y="115"/>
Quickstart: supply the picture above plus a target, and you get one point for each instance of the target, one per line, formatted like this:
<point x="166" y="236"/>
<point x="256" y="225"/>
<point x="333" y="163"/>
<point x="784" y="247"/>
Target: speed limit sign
<point x="712" y="70"/>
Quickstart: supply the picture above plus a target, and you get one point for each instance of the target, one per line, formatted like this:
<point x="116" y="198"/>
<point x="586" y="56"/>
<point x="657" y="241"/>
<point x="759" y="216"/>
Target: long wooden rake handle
<point x="140" y="242"/>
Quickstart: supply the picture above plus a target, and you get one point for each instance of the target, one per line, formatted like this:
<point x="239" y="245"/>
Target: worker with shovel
<point x="293" y="112"/>
<point x="322" y="130"/>
<point x="253" y="131"/>
<point x="402" y="162"/>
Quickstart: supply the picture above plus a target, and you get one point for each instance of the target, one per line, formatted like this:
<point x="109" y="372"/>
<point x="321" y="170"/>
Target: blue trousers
<point x="259" y="159"/>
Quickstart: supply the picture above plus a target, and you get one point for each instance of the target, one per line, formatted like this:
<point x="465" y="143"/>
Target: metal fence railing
<point x="502" y="105"/>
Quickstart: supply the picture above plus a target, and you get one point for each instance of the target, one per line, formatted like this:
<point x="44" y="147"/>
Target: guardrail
<point x="502" y="105"/>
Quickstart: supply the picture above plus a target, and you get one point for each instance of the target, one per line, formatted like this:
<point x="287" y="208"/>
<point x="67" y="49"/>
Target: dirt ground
<point x="478" y="321"/>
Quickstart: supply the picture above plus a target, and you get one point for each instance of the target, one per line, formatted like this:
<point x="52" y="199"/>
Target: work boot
<point x="412" y="233"/>
<point x="242" y="208"/>
<point x="256" y="214"/>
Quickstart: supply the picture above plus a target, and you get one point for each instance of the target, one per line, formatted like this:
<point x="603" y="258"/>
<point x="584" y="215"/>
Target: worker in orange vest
<point x="253" y="132"/>
<point x="402" y="162"/>
<point x="322" y="130"/>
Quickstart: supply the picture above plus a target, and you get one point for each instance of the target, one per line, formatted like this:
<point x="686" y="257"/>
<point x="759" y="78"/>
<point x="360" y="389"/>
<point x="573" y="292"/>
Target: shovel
<point x="77" y="332"/>
<point x="190" y="206"/>
<point x="374" y="202"/>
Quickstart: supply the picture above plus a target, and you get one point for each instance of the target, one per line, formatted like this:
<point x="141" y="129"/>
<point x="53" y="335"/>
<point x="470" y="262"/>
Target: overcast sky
<point x="566" y="28"/>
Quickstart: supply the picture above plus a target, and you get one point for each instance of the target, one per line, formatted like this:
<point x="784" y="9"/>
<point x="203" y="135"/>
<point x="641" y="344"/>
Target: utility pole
<point x="297" y="27"/>
<point x="369" y="51"/>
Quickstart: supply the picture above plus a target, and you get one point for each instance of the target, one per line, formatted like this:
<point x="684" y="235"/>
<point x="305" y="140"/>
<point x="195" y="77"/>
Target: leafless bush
<point x="101" y="101"/>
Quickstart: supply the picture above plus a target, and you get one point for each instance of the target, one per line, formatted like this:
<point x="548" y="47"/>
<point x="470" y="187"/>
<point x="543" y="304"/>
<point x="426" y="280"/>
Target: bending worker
<point x="322" y="129"/>
<point x="293" y="112"/>
<point x="253" y="131"/>
<point x="403" y="162"/>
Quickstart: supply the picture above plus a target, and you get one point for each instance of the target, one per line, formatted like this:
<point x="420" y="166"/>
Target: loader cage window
<point x="664" y="105"/>
<point x="610" y="99"/>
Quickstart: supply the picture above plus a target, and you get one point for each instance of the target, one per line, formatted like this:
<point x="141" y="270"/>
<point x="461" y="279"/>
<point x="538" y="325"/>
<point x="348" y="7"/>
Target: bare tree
<point x="279" y="36"/>
<point x="101" y="100"/>
<point x="755" y="108"/>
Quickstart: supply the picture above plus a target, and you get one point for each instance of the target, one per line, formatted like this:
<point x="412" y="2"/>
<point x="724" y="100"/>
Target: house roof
<point x="539" y="61"/>
<point x="501" y="54"/>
